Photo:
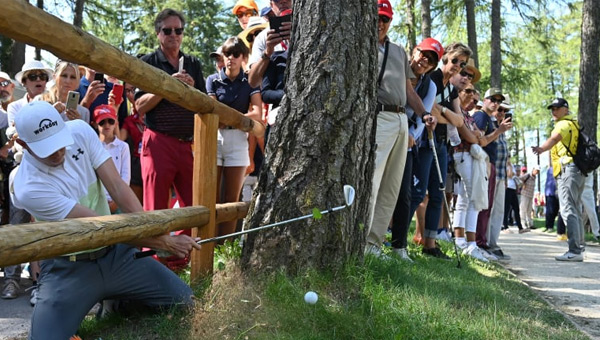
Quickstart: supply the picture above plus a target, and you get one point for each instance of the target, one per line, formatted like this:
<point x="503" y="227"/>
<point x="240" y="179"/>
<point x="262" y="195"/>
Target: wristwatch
<point x="423" y="116"/>
<point x="265" y="56"/>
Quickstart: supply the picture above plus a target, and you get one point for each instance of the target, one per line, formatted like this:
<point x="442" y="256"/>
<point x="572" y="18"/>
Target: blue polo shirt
<point x="235" y="94"/>
<point x="84" y="84"/>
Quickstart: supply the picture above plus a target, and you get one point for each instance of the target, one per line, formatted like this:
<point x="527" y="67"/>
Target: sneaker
<point x="10" y="290"/>
<point x="500" y="254"/>
<point x="376" y="251"/>
<point x="461" y="244"/>
<point x="475" y="252"/>
<point x="561" y="237"/>
<point x="435" y="252"/>
<point x="571" y="257"/>
<point x="524" y="230"/>
<point x="488" y="255"/>
<point x="34" y="294"/>
<point x="506" y="231"/>
<point x="444" y="235"/>
<point x="402" y="254"/>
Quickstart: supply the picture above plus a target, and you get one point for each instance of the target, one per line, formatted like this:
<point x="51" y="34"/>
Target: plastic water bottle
<point x="453" y="135"/>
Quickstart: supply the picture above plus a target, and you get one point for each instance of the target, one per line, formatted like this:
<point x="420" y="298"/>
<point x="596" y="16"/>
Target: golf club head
<point x="349" y="194"/>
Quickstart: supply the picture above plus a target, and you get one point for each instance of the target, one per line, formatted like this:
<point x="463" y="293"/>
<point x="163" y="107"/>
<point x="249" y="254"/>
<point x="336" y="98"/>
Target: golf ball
<point x="311" y="298"/>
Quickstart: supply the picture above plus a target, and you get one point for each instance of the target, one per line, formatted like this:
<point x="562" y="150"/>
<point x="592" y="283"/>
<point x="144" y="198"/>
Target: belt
<point x="94" y="255"/>
<point x="228" y="127"/>
<point x="391" y="108"/>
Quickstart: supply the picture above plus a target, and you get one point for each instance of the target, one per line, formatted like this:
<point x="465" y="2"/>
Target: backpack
<point x="587" y="154"/>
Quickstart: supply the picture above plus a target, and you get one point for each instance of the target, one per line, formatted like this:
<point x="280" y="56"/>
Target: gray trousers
<point x="68" y="290"/>
<point x="497" y="214"/>
<point x="16" y="216"/>
<point x="570" y="186"/>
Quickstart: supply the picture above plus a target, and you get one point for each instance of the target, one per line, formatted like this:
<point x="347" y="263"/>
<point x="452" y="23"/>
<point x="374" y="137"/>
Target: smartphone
<point x="118" y="92"/>
<point x="275" y="22"/>
<point x="508" y="115"/>
<point x="72" y="100"/>
<point x="180" y="64"/>
<point x="99" y="76"/>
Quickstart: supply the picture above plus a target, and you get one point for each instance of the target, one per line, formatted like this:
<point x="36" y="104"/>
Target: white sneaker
<point x="403" y="254"/>
<point x="461" y="244"/>
<point x="475" y="252"/>
<point x="571" y="257"/>
<point x="376" y="251"/>
<point x="444" y="235"/>
<point x="488" y="255"/>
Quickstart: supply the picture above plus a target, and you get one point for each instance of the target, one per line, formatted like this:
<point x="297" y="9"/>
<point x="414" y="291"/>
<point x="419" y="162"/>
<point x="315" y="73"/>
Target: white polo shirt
<point x="50" y="193"/>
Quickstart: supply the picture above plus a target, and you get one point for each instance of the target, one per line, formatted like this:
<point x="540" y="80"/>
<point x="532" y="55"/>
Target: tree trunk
<point x="472" y="29"/>
<point x="78" y="15"/>
<point x="426" y="18"/>
<point x="17" y="57"/>
<point x="323" y="140"/>
<point x="589" y="67"/>
<point x="496" y="58"/>
<point x="38" y="51"/>
<point x="411" y="25"/>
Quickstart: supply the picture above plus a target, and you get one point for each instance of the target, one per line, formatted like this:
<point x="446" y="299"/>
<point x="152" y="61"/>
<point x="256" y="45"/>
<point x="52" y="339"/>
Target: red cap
<point x="286" y="12"/>
<point x="433" y="45"/>
<point x="524" y="169"/>
<point x="103" y="112"/>
<point x="385" y="8"/>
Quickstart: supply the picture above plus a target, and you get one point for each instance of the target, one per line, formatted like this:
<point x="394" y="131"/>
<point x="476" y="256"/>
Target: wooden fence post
<point x="205" y="189"/>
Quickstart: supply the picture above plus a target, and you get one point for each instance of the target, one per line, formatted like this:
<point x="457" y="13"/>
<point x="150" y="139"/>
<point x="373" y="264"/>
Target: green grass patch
<point x="376" y="299"/>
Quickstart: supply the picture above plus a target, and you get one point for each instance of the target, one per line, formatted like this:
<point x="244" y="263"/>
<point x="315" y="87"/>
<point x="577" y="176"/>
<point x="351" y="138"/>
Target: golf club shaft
<point x="217" y="238"/>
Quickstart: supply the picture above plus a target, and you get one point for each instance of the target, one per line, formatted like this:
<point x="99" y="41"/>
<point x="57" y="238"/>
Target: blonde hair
<point x="51" y="96"/>
<point x="456" y="49"/>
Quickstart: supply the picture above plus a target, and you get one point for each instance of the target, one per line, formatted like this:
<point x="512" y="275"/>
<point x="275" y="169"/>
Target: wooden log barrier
<point x="21" y="21"/>
<point x="41" y="240"/>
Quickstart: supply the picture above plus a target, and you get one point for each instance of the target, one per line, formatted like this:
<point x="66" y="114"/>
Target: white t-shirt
<point x="50" y="193"/>
<point x="260" y="45"/>
<point x="15" y="107"/>
<point x="119" y="152"/>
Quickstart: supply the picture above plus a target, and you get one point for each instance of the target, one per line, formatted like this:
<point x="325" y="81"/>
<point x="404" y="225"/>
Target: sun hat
<point x="254" y="24"/>
<point x="470" y="67"/>
<point x="42" y="128"/>
<point x="33" y="65"/>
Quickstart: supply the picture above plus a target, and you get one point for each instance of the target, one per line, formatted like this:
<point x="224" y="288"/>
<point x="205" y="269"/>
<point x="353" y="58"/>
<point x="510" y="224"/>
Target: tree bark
<point x="324" y="139"/>
<point x="426" y="18"/>
<point x="472" y="29"/>
<point x="38" y="51"/>
<point x="78" y="15"/>
<point x="411" y="25"/>
<point x="589" y="72"/>
<point x="17" y="57"/>
<point x="496" y="53"/>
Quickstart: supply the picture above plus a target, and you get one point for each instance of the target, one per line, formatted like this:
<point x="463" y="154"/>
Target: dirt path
<point x="573" y="287"/>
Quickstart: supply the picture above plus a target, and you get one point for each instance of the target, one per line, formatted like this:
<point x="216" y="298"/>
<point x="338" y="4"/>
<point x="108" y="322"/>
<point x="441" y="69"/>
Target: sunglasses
<point x="462" y="63"/>
<point x="251" y="36"/>
<point x="464" y="73"/>
<point x="36" y="76"/>
<point x="384" y="19"/>
<point x="246" y="14"/>
<point x="234" y="54"/>
<point x="495" y="100"/>
<point x="4" y="83"/>
<point x="501" y="110"/>
<point x="469" y="91"/>
<point x="168" y="31"/>
<point x="110" y="121"/>
<point x="429" y="56"/>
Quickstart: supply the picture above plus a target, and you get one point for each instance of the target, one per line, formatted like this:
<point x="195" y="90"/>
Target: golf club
<point x="443" y="190"/>
<point x="349" y="194"/>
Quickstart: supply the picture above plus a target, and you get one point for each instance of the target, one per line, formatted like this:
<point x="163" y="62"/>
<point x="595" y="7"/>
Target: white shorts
<point x="232" y="148"/>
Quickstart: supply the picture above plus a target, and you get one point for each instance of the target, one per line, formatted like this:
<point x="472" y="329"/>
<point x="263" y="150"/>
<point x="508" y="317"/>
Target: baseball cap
<point x="245" y="3"/>
<point x="430" y="44"/>
<point x="385" y="8"/>
<point x="559" y="102"/>
<point x="42" y="128"/>
<point x="523" y="169"/>
<point x="506" y="103"/>
<point x="217" y="53"/>
<point x="265" y="11"/>
<point x="536" y="167"/>
<point x="493" y="91"/>
<point x="102" y="112"/>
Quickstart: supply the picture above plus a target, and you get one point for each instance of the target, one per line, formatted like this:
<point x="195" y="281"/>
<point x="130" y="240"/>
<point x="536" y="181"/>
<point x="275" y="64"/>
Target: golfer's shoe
<point x="402" y="254"/>
<point x="475" y="252"/>
<point x="570" y="257"/>
<point x="376" y="251"/>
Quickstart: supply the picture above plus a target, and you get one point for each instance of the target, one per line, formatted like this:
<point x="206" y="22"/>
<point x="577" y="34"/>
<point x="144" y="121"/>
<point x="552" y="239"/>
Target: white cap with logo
<point x="42" y="128"/>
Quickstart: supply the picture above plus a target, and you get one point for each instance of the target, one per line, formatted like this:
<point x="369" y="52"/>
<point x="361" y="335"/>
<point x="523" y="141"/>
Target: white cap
<point x="506" y="103"/>
<point x="33" y="65"/>
<point x="4" y="75"/>
<point x="42" y="128"/>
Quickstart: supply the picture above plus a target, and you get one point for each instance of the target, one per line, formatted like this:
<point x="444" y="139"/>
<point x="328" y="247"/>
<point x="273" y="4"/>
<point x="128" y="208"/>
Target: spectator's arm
<point x="147" y="102"/>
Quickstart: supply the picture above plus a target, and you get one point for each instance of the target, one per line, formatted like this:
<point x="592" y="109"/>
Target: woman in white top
<point x="66" y="78"/>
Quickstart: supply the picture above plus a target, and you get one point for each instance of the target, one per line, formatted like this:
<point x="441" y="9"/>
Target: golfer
<point x="62" y="172"/>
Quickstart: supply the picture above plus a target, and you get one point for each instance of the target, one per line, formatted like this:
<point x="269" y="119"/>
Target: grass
<point x="431" y="299"/>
